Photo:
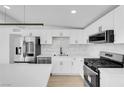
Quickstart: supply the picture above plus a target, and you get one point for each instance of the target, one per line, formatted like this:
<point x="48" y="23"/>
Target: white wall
<point x="4" y="38"/>
<point x="4" y="45"/>
<point x="1" y="18"/>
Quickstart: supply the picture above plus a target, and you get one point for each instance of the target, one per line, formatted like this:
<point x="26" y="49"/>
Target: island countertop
<point x="29" y="75"/>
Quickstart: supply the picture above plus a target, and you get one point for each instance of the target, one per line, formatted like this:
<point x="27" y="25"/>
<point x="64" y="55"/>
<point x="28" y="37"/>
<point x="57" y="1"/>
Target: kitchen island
<point x="24" y="75"/>
<point x="112" y="77"/>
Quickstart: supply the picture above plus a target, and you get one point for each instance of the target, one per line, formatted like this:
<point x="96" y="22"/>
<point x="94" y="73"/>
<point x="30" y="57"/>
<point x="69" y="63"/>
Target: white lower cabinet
<point x="76" y="65"/>
<point x="67" y="65"/>
<point x="61" y="65"/>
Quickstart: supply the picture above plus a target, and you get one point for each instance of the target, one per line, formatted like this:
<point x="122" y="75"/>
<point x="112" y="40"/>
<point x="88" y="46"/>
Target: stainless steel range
<point x="92" y="65"/>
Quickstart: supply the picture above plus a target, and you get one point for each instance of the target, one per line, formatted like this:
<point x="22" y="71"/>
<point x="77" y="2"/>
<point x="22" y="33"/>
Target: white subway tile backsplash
<point x="89" y="50"/>
<point x="94" y="49"/>
<point x="66" y="47"/>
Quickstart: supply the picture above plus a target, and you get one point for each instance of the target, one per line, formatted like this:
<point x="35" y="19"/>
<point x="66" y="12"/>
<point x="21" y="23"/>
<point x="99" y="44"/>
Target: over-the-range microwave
<point x="102" y="37"/>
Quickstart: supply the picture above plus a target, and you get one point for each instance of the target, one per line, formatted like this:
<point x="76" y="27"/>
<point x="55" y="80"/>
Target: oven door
<point x="91" y="77"/>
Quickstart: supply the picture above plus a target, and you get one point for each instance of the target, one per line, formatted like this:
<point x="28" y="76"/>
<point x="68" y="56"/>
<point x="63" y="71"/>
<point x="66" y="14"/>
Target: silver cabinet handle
<point x="24" y="49"/>
<point x="72" y="63"/>
<point x="61" y="63"/>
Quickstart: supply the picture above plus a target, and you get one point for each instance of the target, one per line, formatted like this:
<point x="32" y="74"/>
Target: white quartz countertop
<point x="29" y="75"/>
<point x="112" y="77"/>
<point x="64" y="56"/>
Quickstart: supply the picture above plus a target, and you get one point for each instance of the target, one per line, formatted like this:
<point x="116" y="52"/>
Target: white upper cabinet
<point x="46" y="37"/>
<point x="107" y="21"/>
<point x="119" y="24"/>
<point x="77" y="37"/>
<point x="60" y="33"/>
<point x="112" y="20"/>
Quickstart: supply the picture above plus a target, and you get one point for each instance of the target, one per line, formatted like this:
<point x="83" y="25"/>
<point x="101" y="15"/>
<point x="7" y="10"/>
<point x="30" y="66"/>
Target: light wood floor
<point x="65" y="81"/>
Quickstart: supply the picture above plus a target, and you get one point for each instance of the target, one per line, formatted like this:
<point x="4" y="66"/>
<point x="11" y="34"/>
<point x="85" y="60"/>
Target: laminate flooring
<point x="65" y="81"/>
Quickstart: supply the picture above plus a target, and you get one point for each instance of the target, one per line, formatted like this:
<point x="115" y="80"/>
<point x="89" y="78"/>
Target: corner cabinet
<point x="119" y="24"/>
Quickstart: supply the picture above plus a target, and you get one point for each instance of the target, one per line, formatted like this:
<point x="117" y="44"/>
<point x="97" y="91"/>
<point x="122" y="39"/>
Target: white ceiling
<point x="58" y="15"/>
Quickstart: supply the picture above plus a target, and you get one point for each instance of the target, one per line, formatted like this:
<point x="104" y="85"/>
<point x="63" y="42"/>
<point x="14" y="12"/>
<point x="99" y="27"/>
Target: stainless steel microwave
<point x="102" y="37"/>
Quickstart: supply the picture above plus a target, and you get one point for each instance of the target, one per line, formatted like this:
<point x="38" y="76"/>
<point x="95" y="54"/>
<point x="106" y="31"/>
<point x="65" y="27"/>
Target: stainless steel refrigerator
<point x="26" y="49"/>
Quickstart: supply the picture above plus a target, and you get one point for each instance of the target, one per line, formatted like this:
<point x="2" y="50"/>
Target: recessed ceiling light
<point x="73" y="11"/>
<point x="7" y="7"/>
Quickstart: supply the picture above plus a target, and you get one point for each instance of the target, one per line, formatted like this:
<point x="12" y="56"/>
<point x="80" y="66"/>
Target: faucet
<point x="61" y="51"/>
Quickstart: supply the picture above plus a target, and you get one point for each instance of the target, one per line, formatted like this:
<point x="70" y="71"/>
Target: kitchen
<point x="57" y="44"/>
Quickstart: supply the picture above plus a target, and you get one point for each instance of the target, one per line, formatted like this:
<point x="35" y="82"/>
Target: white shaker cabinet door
<point x="46" y="37"/>
<point x="61" y="66"/>
<point x="76" y="66"/>
<point x="119" y="24"/>
<point x="57" y="65"/>
<point x="66" y="66"/>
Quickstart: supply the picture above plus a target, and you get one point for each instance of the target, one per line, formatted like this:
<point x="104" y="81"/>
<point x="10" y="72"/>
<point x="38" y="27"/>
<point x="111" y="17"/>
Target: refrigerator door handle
<point x="24" y="49"/>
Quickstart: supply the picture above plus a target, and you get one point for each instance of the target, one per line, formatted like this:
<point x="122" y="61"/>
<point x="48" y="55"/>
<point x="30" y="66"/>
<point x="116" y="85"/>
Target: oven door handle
<point x="91" y="70"/>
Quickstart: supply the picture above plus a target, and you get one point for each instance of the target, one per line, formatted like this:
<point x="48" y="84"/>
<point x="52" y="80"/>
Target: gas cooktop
<point x="92" y="67"/>
<point x="95" y="63"/>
